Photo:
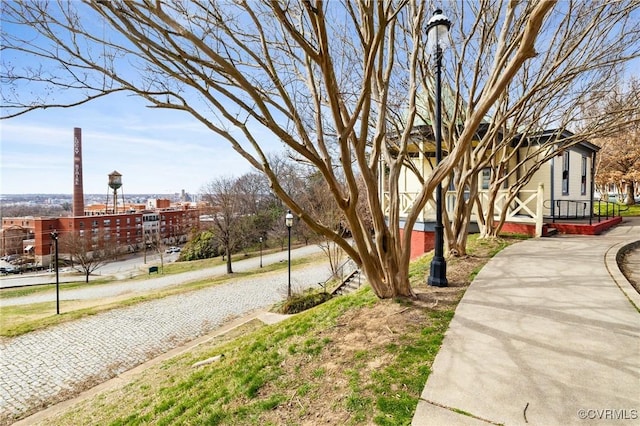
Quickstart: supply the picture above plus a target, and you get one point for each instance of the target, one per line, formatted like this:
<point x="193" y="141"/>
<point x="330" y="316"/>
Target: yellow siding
<point x="410" y="184"/>
<point x="408" y="181"/>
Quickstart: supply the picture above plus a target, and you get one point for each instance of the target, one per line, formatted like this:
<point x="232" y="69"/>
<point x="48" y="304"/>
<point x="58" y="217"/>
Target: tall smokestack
<point x="78" y="189"/>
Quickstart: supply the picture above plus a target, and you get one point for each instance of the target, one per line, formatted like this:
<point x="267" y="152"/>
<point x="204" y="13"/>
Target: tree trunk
<point x="228" y="252"/>
<point x="490" y="228"/>
<point x="388" y="281"/>
<point x="457" y="243"/>
<point x="629" y="199"/>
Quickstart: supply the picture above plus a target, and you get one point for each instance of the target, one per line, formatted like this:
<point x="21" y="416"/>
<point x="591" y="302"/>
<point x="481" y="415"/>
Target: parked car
<point x="9" y="270"/>
<point x="173" y="250"/>
<point x="11" y="257"/>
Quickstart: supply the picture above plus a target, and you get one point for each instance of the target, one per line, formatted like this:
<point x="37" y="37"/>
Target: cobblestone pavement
<point x="124" y="286"/>
<point x="54" y="364"/>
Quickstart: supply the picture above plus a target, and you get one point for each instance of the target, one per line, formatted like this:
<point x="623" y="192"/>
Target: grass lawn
<point x="352" y="360"/>
<point x="631" y="210"/>
<point x="623" y="210"/>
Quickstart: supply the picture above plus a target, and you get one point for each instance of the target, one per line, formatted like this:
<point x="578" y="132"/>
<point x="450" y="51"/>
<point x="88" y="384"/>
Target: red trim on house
<point x="522" y="228"/>
<point x="422" y="241"/>
<point x="596" y="228"/>
<point x="586" y="229"/>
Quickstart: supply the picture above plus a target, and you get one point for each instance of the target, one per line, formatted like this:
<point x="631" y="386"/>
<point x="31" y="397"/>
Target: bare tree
<point x="324" y="78"/>
<point x="319" y="203"/>
<point x="620" y="154"/>
<point x="620" y="165"/>
<point x="225" y="209"/>
<point x="87" y="252"/>
<point x="260" y="206"/>
<point x="559" y="89"/>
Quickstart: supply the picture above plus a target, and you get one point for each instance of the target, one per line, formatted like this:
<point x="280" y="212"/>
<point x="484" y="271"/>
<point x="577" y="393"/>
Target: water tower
<point x="115" y="182"/>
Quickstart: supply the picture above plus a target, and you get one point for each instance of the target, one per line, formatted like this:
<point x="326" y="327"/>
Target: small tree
<point x="224" y="207"/>
<point x="257" y="203"/>
<point x="201" y="245"/>
<point x="87" y="252"/>
<point x="317" y="201"/>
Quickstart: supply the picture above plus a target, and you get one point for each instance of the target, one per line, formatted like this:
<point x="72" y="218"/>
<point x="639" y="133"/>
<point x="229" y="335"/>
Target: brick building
<point x="14" y="234"/>
<point x="129" y="231"/>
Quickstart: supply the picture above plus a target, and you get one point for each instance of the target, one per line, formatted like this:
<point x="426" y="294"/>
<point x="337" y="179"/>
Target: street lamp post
<point x="54" y="237"/>
<point x="261" y="252"/>
<point x="288" y="221"/>
<point x="437" y="36"/>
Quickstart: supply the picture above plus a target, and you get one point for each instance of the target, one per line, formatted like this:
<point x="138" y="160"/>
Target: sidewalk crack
<point x="462" y="412"/>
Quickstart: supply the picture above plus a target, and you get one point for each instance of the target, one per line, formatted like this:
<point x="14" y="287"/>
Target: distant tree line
<point x="36" y="210"/>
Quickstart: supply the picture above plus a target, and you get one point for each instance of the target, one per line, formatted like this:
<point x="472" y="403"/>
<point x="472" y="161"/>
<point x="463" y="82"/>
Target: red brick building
<point x="15" y="231"/>
<point x="128" y="231"/>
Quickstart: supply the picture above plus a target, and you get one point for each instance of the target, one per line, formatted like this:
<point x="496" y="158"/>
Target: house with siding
<point x="567" y="176"/>
<point x="558" y="197"/>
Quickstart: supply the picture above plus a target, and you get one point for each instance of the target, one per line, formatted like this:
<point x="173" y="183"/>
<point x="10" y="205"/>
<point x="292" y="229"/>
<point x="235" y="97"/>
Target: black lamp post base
<point x="438" y="274"/>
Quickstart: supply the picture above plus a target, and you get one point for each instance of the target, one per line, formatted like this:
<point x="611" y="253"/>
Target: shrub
<point x="202" y="246"/>
<point x="299" y="302"/>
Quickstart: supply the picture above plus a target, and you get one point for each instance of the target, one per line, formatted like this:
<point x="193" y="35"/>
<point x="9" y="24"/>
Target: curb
<point x="611" y="261"/>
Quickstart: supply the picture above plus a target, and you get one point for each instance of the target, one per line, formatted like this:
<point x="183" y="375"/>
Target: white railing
<point x="428" y="212"/>
<point x="526" y="207"/>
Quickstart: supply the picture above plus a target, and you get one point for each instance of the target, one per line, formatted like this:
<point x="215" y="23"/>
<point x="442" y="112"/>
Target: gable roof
<point x="559" y="136"/>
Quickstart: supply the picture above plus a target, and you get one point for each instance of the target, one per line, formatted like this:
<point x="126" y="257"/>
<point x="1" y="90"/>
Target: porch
<point x="527" y="213"/>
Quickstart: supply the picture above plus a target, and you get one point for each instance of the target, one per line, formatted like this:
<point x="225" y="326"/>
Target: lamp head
<point x="438" y="31"/>
<point x="288" y="219"/>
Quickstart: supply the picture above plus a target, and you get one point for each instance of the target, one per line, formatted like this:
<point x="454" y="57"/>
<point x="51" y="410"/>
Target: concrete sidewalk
<point x="547" y="334"/>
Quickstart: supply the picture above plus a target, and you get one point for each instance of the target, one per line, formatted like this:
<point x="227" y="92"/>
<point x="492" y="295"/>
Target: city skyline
<point x="156" y="151"/>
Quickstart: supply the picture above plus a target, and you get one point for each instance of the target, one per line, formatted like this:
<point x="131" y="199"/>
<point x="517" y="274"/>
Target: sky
<point x="156" y="151"/>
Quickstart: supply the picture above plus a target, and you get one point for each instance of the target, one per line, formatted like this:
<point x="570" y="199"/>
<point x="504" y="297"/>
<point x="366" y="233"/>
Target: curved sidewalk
<point x="547" y="334"/>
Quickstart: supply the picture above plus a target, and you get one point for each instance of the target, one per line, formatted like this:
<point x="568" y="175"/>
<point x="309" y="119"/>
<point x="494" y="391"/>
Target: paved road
<point x="158" y="282"/>
<point x="129" y="265"/>
<point x="53" y="364"/>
